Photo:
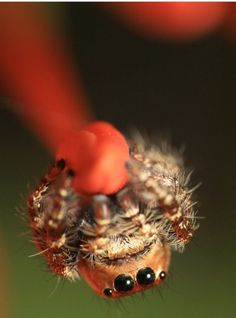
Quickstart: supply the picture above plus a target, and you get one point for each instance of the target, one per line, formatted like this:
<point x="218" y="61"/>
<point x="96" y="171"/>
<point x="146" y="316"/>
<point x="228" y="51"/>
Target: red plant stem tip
<point x="97" y="155"/>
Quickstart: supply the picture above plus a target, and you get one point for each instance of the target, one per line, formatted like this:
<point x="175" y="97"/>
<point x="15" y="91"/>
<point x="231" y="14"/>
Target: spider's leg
<point x="166" y="192"/>
<point x="97" y="233"/>
<point x="49" y="206"/>
<point x="36" y="206"/>
<point x="101" y="214"/>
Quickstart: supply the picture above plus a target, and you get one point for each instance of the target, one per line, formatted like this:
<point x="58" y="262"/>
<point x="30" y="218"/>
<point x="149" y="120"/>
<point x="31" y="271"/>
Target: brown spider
<point x="120" y="244"/>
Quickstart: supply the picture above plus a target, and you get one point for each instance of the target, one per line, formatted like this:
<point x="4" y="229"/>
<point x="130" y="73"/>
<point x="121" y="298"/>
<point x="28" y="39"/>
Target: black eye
<point x="145" y="276"/>
<point x="124" y="283"/>
<point x="162" y="275"/>
<point x="107" y="292"/>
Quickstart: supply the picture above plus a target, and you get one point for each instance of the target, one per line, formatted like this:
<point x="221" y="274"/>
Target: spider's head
<point x="129" y="277"/>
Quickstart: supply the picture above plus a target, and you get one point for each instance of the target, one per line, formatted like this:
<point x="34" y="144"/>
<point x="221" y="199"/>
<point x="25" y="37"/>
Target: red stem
<point x="35" y="69"/>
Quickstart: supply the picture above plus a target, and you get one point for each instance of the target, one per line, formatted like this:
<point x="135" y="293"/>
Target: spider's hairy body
<point x="114" y="241"/>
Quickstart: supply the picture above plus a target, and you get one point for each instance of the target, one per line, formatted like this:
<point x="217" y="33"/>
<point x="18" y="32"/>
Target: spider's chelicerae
<point x="120" y="244"/>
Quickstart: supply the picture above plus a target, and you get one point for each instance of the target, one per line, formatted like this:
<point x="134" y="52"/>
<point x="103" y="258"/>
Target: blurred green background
<point x="186" y="91"/>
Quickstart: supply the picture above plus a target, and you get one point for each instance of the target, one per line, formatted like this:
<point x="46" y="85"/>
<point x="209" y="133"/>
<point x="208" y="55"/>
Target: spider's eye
<point x="162" y="275"/>
<point x="145" y="276"/>
<point x="124" y="283"/>
<point x="107" y="292"/>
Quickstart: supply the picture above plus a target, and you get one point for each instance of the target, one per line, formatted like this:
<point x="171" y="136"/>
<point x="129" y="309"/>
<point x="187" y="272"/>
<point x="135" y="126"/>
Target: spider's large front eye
<point x="124" y="283"/>
<point x="145" y="276"/>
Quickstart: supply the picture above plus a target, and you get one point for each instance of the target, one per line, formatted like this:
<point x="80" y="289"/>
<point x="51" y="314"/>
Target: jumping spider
<point x="120" y="244"/>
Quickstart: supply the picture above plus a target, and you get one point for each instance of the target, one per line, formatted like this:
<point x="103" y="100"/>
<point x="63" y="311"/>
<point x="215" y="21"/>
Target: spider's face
<point x="133" y="275"/>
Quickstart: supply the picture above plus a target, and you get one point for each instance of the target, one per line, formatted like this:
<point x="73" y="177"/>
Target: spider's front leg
<point x="95" y="232"/>
<point x="53" y="207"/>
<point x="159" y="182"/>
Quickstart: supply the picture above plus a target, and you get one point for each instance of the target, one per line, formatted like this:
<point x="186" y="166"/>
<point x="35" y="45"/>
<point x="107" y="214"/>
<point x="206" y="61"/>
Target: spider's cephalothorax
<point x="120" y="243"/>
